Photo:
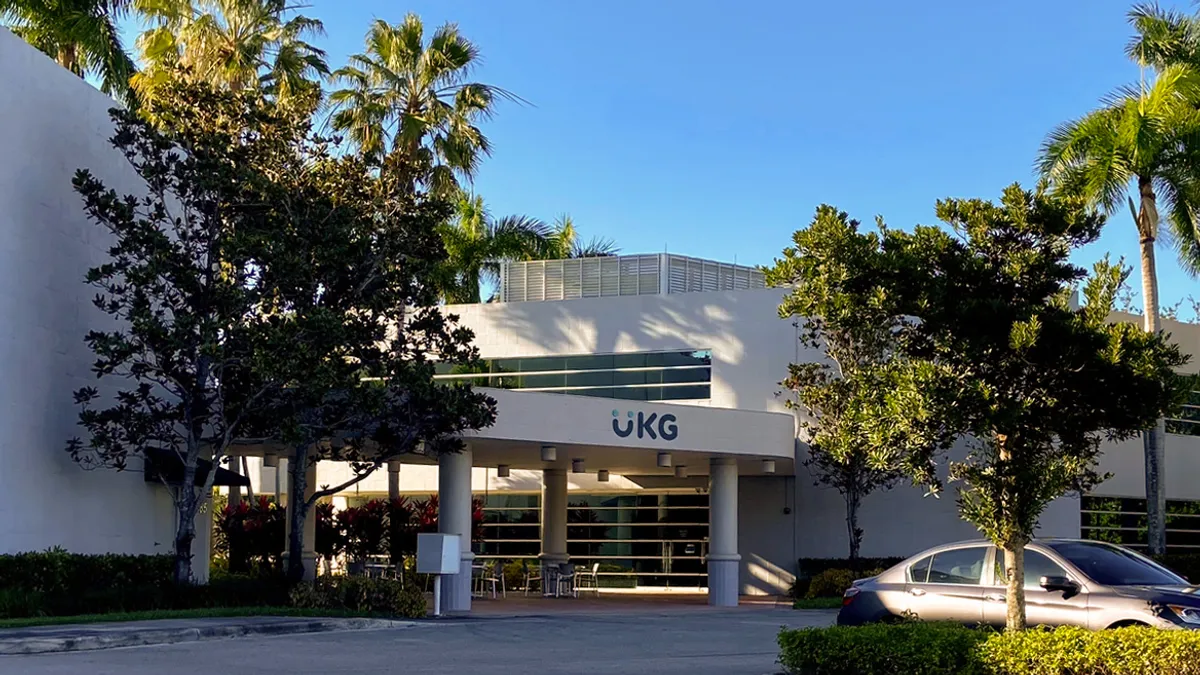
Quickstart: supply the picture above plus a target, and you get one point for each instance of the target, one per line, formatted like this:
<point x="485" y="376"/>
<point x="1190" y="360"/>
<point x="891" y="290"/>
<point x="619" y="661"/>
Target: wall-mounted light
<point x="602" y="475"/>
<point x="664" y="460"/>
<point x="577" y="466"/>
<point x="681" y="471"/>
<point x="394" y="465"/>
<point x="271" y="460"/>
<point x="549" y="453"/>
<point x="502" y="471"/>
<point x="768" y="466"/>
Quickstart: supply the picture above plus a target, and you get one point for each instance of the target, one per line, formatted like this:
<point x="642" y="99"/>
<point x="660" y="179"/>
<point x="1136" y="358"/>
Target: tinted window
<point x="1114" y="566"/>
<point x="959" y="566"/>
<point x="1036" y="567"/>
<point x="919" y="571"/>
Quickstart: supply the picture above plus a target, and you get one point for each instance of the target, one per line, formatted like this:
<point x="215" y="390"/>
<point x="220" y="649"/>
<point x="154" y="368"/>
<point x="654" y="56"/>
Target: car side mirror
<point x="1059" y="584"/>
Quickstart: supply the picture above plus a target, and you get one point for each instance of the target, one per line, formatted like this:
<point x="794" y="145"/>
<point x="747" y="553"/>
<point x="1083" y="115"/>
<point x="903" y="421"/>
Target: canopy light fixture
<point x="577" y="466"/>
<point x="502" y="471"/>
<point x="602" y="475"/>
<point x="664" y="460"/>
<point x="549" y="453"/>
<point x="271" y="460"/>
<point x="681" y="471"/>
<point x="768" y="466"/>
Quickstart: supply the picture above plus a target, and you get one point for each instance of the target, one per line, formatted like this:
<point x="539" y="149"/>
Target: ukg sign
<point x="654" y="426"/>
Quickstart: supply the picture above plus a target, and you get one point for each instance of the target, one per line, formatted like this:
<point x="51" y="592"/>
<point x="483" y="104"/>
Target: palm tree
<point x="411" y="95"/>
<point x="565" y="242"/>
<point x="477" y="245"/>
<point x="81" y="35"/>
<point x="1145" y="138"/>
<point x="233" y="44"/>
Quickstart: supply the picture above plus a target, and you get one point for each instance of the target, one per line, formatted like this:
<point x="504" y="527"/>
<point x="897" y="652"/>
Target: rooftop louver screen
<point x="621" y="275"/>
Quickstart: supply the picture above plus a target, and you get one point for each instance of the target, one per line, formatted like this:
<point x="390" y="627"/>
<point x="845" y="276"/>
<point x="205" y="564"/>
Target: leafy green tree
<point x="405" y="93"/>
<point x="231" y="44"/>
<point x="178" y="281"/>
<point x="349" y="326"/>
<point x="477" y="245"/>
<point x="855" y="333"/>
<point x="995" y="351"/>
<point x="81" y="35"/>
<point x="1144" y="140"/>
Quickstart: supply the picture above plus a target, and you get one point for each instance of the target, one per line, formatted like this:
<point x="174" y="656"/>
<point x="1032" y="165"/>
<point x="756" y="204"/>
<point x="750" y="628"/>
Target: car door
<point x="947" y="586"/>
<point x="1042" y="607"/>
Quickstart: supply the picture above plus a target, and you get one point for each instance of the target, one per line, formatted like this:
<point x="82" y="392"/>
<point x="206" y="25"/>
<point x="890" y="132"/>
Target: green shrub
<point x="895" y="649"/>
<point x="1186" y="565"/>
<point x="361" y="594"/>
<point x="951" y="649"/>
<point x="833" y="583"/>
<point x="1122" y="651"/>
<point x="807" y="568"/>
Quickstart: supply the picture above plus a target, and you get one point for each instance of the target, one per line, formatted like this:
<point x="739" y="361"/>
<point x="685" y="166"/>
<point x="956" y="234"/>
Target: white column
<point x="723" y="559"/>
<point x="454" y="517"/>
<point x="554" y="516"/>
<point x="308" y="553"/>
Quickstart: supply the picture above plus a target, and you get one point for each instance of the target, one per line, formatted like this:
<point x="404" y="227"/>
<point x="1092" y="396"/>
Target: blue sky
<point x="714" y="129"/>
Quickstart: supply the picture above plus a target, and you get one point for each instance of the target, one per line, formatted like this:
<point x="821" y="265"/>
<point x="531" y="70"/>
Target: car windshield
<point x="1114" y="566"/>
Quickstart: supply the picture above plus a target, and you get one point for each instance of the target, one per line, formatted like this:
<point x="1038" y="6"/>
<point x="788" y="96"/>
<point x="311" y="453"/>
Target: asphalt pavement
<point x="662" y="641"/>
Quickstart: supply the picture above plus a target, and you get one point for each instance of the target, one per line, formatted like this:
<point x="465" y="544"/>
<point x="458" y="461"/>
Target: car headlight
<point x="1188" y="615"/>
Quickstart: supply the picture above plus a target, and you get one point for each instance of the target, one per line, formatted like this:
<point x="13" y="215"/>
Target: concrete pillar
<point x="309" y="551"/>
<point x="723" y="559"/>
<point x="554" y="517"/>
<point x="393" y="468"/>
<point x="202" y="544"/>
<point x="454" y="517"/>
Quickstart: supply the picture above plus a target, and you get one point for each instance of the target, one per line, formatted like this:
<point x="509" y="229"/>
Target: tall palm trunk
<point x="1154" y="439"/>
<point x="68" y="58"/>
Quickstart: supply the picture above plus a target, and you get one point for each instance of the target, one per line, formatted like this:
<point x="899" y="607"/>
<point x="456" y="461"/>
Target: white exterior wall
<point x="52" y="123"/>
<point x="750" y="352"/>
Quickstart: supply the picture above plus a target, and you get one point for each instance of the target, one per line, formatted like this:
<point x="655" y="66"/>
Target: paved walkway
<point x="663" y="639"/>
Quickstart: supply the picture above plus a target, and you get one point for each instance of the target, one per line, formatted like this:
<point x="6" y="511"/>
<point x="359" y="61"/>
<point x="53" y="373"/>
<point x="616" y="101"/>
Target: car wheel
<point x="1127" y="624"/>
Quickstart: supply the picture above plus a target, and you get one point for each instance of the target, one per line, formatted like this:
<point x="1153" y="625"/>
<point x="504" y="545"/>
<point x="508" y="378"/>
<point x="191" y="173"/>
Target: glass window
<point x="957" y="566"/>
<point x="1114" y="566"/>
<point x="1036" y="567"/>
<point x="918" y="572"/>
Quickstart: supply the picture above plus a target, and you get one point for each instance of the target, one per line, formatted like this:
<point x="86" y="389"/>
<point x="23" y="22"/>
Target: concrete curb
<point x="143" y="636"/>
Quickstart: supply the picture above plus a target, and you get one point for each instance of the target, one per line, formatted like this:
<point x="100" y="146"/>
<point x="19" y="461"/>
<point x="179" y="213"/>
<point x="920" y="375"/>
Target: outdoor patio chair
<point x="531" y="575"/>
<point x="484" y="579"/>
<point x="589" y="579"/>
<point x="566" y="580"/>
<point x="550" y="580"/>
<point x="493" y="576"/>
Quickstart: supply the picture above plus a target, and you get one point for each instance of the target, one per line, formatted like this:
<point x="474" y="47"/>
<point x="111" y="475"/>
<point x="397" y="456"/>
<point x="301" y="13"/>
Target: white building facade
<point x="641" y="424"/>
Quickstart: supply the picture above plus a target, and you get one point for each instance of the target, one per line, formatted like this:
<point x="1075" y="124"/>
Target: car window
<point x="957" y="566"/>
<point x="1036" y="567"/>
<point x="1114" y="566"/>
<point x="918" y="572"/>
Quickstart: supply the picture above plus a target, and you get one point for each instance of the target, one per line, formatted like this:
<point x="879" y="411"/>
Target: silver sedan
<point x="1067" y="582"/>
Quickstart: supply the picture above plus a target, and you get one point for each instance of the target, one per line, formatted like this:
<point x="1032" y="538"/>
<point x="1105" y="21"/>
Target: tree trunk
<point x="68" y="58"/>
<point x="1014" y="592"/>
<point x="185" y="530"/>
<point x="246" y="473"/>
<point x="297" y="509"/>
<point x="1154" y="439"/>
<point x="852" y="502"/>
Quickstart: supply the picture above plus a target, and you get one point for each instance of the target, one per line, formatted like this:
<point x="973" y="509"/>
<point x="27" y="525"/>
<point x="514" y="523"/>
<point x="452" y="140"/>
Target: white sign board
<point x="437" y="554"/>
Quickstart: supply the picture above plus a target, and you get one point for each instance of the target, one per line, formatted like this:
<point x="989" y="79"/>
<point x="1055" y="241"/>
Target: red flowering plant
<point x="366" y="529"/>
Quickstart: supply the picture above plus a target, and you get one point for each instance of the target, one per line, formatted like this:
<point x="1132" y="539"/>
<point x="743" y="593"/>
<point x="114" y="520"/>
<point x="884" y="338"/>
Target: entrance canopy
<point x="626" y="437"/>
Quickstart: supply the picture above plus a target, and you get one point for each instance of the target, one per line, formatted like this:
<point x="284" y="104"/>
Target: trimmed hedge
<point x="58" y="583"/>
<point x="950" y="649"/>
<point x="361" y="594"/>
<point x="1186" y="565"/>
<point x="807" y="568"/>
<point x="833" y="583"/>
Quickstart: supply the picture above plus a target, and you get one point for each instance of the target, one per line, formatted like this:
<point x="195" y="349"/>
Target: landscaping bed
<point x="912" y="648"/>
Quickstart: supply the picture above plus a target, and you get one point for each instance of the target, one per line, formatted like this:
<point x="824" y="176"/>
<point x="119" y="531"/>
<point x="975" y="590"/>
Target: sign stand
<point x="438" y="554"/>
